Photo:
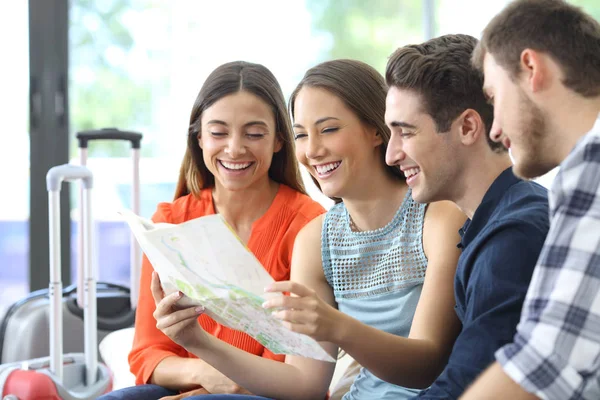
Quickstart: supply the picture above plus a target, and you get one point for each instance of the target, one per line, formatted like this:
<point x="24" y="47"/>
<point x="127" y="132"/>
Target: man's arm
<point x="556" y="350"/>
<point x="494" y="384"/>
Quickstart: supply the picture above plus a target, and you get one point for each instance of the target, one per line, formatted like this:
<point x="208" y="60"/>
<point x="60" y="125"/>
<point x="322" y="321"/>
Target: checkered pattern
<point x="556" y="352"/>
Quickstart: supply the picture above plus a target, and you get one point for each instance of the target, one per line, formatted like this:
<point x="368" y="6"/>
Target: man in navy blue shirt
<point x="440" y="122"/>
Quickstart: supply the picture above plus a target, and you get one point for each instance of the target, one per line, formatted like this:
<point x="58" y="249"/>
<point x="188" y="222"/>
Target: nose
<point x="235" y="146"/>
<point x="314" y="148"/>
<point x="496" y="131"/>
<point x="394" y="153"/>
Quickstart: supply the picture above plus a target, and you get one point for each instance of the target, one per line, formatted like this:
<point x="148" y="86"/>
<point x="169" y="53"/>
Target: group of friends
<point x="442" y="269"/>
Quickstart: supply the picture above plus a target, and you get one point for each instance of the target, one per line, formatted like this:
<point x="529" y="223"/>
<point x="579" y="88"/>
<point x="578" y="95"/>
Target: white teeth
<point x="410" y="172"/>
<point x="325" y="168"/>
<point x="229" y="165"/>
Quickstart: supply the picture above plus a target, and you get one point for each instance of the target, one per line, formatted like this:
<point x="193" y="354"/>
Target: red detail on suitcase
<point x="30" y="385"/>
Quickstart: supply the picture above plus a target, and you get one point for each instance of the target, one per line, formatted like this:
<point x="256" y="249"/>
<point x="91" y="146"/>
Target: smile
<point x="235" y="166"/>
<point x="326" y="169"/>
<point x="409" y="173"/>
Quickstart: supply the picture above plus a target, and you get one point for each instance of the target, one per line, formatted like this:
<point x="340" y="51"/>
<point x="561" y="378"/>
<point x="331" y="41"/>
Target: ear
<point x="534" y="70"/>
<point x="199" y="138"/>
<point x="470" y="127"/>
<point x="375" y="136"/>
<point x="278" y="144"/>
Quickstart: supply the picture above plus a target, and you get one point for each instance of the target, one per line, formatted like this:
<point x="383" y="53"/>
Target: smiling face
<point x="238" y="140"/>
<point x="518" y="122"/>
<point x="338" y="150"/>
<point x="428" y="159"/>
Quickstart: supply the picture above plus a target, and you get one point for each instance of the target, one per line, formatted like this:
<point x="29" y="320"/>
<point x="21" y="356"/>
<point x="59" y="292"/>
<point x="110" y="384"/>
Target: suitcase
<point x="27" y="319"/>
<point x="75" y="375"/>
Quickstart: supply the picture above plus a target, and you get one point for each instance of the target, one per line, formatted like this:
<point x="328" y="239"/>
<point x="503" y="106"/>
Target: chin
<point x="530" y="165"/>
<point x="330" y="191"/>
<point x="531" y="170"/>
<point x="235" y="186"/>
<point x="416" y="196"/>
<point x="423" y="196"/>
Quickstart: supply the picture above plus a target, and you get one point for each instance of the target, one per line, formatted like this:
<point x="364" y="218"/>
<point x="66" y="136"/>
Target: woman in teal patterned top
<point x="374" y="276"/>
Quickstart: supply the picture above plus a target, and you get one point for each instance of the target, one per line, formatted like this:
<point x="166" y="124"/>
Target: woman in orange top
<point x="239" y="162"/>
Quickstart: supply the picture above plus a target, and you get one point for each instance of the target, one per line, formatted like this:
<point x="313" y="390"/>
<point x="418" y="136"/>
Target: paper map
<point x="204" y="259"/>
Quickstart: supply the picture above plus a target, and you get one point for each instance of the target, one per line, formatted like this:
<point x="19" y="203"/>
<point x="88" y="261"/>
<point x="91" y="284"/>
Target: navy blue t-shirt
<point x="500" y="246"/>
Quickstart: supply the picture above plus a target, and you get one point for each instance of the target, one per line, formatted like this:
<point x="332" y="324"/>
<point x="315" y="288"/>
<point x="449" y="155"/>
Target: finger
<point x="156" y="288"/>
<point x="173" y="330"/>
<point x="195" y="392"/>
<point x="191" y="393"/>
<point x="174" y="318"/>
<point x="165" y="306"/>
<point x="199" y="392"/>
<point x="308" y="330"/>
<point x="296" y="317"/>
<point x="289" y="286"/>
<point x="286" y="302"/>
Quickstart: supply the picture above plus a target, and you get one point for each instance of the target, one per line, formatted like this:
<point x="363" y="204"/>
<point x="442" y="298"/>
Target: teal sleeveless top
<point x="376" y="278"/>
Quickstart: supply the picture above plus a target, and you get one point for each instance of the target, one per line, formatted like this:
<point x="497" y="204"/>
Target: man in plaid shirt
<point x="541" y="60"/>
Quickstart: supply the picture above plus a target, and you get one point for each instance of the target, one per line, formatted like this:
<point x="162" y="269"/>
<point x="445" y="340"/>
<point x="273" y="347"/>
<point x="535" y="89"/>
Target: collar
<point x="492" y="197"/>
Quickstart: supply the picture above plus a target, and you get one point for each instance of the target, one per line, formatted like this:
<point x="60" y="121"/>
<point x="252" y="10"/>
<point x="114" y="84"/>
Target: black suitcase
<point x="27" y="320"/>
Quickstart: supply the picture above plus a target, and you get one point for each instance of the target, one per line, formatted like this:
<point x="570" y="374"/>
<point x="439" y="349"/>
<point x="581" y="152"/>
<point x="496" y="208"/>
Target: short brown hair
<point x="569" y="35"/>
<point x="360" y="87"/>
<point x="440" y="71"/>
<point x="228" y="79"/>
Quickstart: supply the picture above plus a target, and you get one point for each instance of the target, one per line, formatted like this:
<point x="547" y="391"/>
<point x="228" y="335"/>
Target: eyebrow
<point x="251" y="123"/>
<point x="401" y="124"/>
<point x="317" y="122"/>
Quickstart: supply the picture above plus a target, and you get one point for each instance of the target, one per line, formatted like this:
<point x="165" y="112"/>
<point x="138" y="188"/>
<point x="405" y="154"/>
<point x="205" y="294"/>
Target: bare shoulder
<point x="307" y="264"/>
<point x="444" y="210"/>
<point x="310" y="234"/>
<point x="443" y="219"/>
<point x="444" y="213"/>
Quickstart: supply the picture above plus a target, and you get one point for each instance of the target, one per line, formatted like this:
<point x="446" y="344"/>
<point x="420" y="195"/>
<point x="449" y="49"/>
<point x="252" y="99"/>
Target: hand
<point x="181" y="325"/>
<point x="216" y="382"/>
<point x="305" y="312"/>
<point x="196" y="392"/>
<point x="202" y="391"/>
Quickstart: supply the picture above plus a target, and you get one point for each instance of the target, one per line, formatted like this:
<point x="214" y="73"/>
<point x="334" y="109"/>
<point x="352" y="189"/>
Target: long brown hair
<point x="361" y="88"/>
<point x="225" y="80"/>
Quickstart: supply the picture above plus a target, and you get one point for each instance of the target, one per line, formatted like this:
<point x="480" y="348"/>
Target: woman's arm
<point x="416" y="362"/>
<point x="412" y="362"/>
<point x="156" y="359"/>
<point x="151" y="347"/>
<point x="298" y="378"/>
<point x="190" y="373"/>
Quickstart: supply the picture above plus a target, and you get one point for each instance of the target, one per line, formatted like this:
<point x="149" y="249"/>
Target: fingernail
<point x="268" y="289"/>
<point x="199" y="309"/>
<point x="177" y="294"/>
<point x="265" y="304"/>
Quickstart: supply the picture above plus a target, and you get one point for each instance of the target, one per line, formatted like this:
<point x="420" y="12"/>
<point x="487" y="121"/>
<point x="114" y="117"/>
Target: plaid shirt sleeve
<point x="556" y="350"/>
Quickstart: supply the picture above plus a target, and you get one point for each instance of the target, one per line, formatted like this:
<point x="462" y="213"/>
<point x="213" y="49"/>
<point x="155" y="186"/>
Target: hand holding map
<point x="204" y="259"/>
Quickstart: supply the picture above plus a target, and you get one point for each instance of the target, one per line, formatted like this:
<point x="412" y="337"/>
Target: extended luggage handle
<point x="135" y="257"/>
<point x="54" y="179"/>
<point x="109" y="134"/>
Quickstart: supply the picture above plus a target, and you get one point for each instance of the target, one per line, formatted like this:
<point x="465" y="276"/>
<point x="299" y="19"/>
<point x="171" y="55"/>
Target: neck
<point x="376" y="201"/>
<point x="475" y="180"/>
<point x="570" y="120"/>
<point x="242" y="208"/>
